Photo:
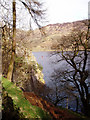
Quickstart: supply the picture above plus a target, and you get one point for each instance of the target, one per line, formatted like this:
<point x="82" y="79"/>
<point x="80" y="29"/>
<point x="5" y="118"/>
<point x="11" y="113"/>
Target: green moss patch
<point x="28" y="110"/>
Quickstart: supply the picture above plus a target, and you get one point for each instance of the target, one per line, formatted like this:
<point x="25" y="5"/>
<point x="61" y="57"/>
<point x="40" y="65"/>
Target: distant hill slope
<point x="42" y="40"/>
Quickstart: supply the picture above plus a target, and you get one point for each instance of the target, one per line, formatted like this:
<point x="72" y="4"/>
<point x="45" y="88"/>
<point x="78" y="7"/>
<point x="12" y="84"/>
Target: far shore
<point x="45" y="50"/>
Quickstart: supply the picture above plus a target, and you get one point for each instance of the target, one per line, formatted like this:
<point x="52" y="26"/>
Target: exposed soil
<point x="55" y="112"/>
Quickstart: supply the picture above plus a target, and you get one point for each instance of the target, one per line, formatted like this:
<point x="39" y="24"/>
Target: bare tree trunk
<point x="67" y="103"/>
<point x="31" y="80"/>
<point x="86" y="106"/>
<point x="11" y="66"/>
<point x="77" y="103"/>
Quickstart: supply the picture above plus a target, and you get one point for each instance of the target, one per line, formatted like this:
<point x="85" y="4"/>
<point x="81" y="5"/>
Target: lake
<point x="48" y="63"/>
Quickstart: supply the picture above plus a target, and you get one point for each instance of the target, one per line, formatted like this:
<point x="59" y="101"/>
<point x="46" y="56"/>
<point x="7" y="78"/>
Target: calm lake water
<point x="48" y="63"/>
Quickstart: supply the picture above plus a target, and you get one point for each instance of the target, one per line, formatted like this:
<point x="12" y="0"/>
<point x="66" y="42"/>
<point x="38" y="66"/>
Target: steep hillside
<point x="17" y="107"/>
<point x="42" y="40"/>
<point x="15" y="102"/>
<point x="56" y="112"/>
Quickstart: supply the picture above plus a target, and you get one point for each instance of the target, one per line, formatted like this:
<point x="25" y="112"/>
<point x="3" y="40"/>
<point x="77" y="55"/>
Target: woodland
<point x="24" y="92"/>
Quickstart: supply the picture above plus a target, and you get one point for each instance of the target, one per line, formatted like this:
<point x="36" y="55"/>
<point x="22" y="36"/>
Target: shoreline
<point x="55" y="50"/>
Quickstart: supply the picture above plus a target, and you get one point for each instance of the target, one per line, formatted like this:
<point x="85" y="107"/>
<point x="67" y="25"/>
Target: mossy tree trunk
<point x="11" y="65"/>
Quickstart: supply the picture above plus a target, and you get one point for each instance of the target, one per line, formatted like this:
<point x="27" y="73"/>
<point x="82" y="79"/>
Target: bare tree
<point x="76" y="57"/>
<point x="10" y="70"/>
<point x="64" y="90"/>
<point x="36" y="12"/>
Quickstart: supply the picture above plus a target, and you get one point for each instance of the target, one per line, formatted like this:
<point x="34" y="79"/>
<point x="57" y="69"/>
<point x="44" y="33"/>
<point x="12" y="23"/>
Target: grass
<point x="81" y="116"/>
<point x="28" y="110"/>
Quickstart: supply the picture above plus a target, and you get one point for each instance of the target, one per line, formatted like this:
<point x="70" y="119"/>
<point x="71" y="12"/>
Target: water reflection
<point x="49" y="66"/>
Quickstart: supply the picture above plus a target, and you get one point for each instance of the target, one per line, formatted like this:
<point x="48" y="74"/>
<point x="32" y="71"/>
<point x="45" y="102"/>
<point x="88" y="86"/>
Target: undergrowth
<point x="25" y="108"/>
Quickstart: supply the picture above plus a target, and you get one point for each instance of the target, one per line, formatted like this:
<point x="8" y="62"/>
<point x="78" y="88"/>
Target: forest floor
<point x="33" y="106"/>
<point x="55" y="112"/>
